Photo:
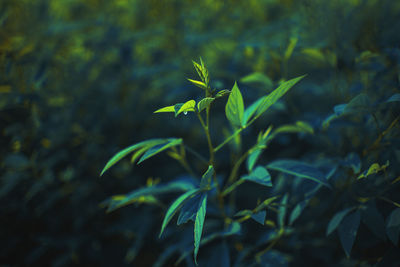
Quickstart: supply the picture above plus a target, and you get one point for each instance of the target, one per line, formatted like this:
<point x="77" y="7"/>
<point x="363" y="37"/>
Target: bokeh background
<point x="79" y="80"/>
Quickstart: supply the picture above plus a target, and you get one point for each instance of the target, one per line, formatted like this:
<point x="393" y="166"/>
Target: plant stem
<point x="207" y="132"/>
<point x="197" y="155"/>
<point x="227" y="140"/>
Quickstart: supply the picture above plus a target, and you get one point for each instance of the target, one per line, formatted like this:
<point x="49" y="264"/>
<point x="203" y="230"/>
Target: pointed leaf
<point x="299" y="169"/>
<point x="117" y="157"/>
<point x="265" y="203"/>
<point x="204" y="103"/>
<point x="199" y="84"/>
<point x="251" y="110"/>
<point x="175" y="206"/>
<point x="275" y="95"/>
<point x="189" y="209"/>
<point x="260" y="175"/>
<point x="348" y="231"/>
<point x="205" y="182"/>
<point x="296" y="212"/>
<point x="165" y="109"/>
<point x="259" y="217"/>
<point x="188" y="106"/>
<point x="257" y="77"/>
<point x="199" y="223"/>
<point x="336" y="220"/>
<point x="222" y="93"/>
<point x="234" y="108"/>
<point x="159" y="148"/>
<point x="282" y="211"/>
<point x="394" y="98"/>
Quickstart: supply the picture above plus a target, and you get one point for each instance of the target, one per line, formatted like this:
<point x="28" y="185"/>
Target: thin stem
<point x="232" y="187"/>
<point x="206" y="131"/>
<point x="197" y="155"/>
<point x="227" y="140"/>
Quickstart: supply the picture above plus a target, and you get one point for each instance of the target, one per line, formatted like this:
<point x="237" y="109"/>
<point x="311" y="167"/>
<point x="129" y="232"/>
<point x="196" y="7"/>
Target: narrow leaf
<point x="159" y="148"/>
<point x="222" y="93"/>
<point x="189" y="209"/>
<point x="299" y="169"/>
<point x="296" y="212"/>
<point x="234" y="108"/>
<point x="198" y="224"/>
<point x="165" y="109"/>
<point x="199" y="84"/>
<point x="393" y="226"/>
<point x="175" y="206"/>
<point x="348" y="231"/>
<point x="204" y="103"/>
<point x="275" y="95"/>
<point x="282" y="211"/>
<point x="336" y="220"/>
<point x="117" y="157"/>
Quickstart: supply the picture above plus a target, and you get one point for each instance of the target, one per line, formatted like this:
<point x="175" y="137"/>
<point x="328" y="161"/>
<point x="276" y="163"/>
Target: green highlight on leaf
<point x="143" y="146"/>
<point x="159" y="148"/>
<point x="205" y="182"/>
<point x="234" y="108"/>
<point x="373" y="169"/>
<point x="186" y="107"/>
<point x="199" y="84"/>
<point x="165" y="109"/>
<point x="175" y="206"/>
<point x="198" y="225"/>
<point x="260" y="176"/>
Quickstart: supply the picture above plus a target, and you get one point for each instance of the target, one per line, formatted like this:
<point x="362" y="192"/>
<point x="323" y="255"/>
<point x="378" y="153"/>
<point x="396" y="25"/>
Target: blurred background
<point x="79" y="80"/>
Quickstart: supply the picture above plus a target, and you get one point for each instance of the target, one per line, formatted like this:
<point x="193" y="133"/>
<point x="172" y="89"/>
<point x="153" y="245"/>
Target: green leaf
<point x="205" y="182"/>
<point x="348" y="231"/>
<point x="261" y="105"/>
<point x="336" y="220"/>
<point x="297" y="211"/>
<point x="199" y="84"/>
<point x="257" y="77"/>
<point x="249" y="112"/>
<point x="222" y="93"/>
<point x="265" y="203"/>
<point x="299" y="169"/>
<point x="188" y="106"/>
<point x="117" y="157"/>
<point x="259" y="217"/>
<point x="393" y="226"/>
<point x="204" y="103"/>
<point x="119" y="201"/>
<point x="165" y="109"/>
<point x="198" y="224"/>
<point x="299" y="127"/>
<point x="175" y="206"/>
<point x="159" y="148"/>
<point x="260" y="175"/>
<point x="189" y="209"/>
<point x="374" y="169"/>
<point x="234" y="108"/>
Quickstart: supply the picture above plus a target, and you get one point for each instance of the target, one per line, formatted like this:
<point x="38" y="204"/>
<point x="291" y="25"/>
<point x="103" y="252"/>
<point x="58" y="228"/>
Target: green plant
<point x="193" y="203"/>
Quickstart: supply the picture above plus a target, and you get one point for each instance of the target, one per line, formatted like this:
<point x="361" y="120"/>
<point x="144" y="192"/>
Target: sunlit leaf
<point x="336" y="220"/>
<point x="234" y="107"/>
<point x="222" y="93"/>
<point x="198" y="224"/>
<point x="299" y="169"/>
<point x="165" y="109"/>
<point x="348" y="231"/>
<point x="199" y="84"/>
<point x="188" y="106"/>
<point x="374" y="169"/>
<point x="175" y="206"/>
<point x="257" y="77"/>
<point x="204" y="103"/>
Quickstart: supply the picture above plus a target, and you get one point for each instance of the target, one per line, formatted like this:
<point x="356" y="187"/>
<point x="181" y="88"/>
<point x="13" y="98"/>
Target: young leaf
<point x="393" y="226"/>
<point x="204" y="103"/>
<point x="165" y="109"/>
<point x="117" y="157"/>
<point x="175" y="206"/>
<point x="159" y="148"/>
<point x="199" y="223"/>
<point x="199" y="84"/>
<point x="336" y="220"/>
<point x="222" y="93"/>
<point x="299" y="127"/>
<point x="299" y="169"/>
<point x="188" y="106"/>
<point x="234" y="107"/>
<point x="265" y="203"/>
<point x="348" y="231"/>
<point x="373" y="169"/>
<point x="205" y="182"/>
<point x="260" y="175"/>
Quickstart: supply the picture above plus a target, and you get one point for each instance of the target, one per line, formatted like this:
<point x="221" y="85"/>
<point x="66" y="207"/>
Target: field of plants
<point x="200" y="133"/>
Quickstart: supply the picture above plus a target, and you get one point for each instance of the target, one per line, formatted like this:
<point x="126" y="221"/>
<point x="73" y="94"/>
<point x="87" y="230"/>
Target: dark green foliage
<point x="257" y="182"/>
